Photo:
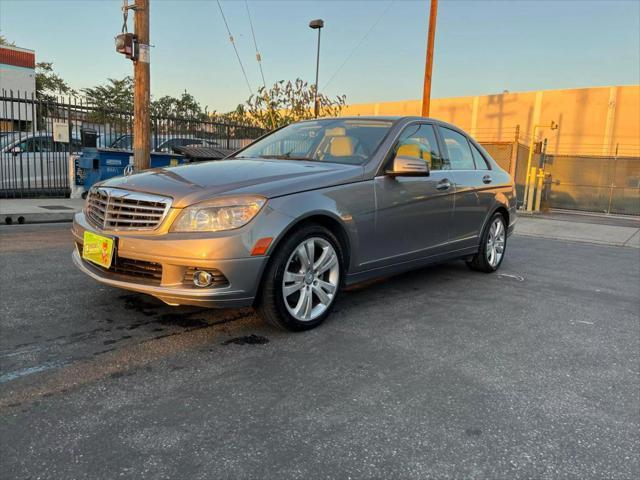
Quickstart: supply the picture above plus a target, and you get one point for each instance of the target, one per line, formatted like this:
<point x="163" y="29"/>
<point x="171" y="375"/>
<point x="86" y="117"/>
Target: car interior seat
<point x="415" y="150"/>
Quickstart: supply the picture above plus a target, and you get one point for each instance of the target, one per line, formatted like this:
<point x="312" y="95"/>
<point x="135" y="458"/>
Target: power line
<point x="259" y="60"/>
<point x="255" y="43"/>
<point x="235" y="49"/>
<point x="375" y="24"/>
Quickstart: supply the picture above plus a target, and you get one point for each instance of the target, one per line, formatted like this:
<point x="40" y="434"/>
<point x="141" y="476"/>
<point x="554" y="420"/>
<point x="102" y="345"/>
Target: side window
<point x="36" y="144"/>
<point x="481" y="163"/>
<point x="460" y="155"/>
<point x="419" y="141"/>
<point x="27" y="146"/>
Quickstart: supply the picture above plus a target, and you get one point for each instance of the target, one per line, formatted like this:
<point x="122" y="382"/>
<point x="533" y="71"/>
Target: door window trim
<point x="470" y="141"/>
<point x="473" y="145"/>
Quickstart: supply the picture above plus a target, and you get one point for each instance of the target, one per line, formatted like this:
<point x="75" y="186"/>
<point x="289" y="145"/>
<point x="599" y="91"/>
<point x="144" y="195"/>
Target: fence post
<point x="613" y="179"/>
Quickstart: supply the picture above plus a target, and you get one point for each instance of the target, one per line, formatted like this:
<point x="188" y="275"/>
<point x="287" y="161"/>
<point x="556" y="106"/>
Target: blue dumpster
<point x="97" y="164"/>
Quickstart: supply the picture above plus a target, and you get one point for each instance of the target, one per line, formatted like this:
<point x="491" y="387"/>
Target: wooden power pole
<point x="426" y="95"/>
<point x="141" y="90"/>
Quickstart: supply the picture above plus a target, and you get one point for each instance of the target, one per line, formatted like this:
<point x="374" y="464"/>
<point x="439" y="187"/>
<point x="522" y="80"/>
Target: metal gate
<point x="592" y="183"/>
<point x="35" y="158"/>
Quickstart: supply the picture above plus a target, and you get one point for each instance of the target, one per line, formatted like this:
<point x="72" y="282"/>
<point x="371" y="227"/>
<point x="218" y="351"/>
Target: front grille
<point x="116" y="209"/>
<point x="137" y="268"/>
<point x="219" y="280"/>
<point x="128" y="267"/>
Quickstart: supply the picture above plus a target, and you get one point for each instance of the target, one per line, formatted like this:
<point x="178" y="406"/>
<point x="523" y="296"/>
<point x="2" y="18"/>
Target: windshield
<point x="339" y="141"/>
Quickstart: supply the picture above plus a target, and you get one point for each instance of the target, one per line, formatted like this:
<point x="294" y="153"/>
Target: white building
<point x="17" y="79"/>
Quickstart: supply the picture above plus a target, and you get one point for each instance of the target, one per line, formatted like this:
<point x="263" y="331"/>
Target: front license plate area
<point x="97" y="249"/>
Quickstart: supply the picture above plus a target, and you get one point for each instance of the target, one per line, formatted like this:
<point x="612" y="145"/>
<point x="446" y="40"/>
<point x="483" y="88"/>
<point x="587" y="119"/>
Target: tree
<point x="288" y="102"/>
<point x="49" y="84"/>
<point x="110" y="101"/>
<point x="186" y="107"/>
<point x="113" y="95"/>
<point x="4" y="41"/>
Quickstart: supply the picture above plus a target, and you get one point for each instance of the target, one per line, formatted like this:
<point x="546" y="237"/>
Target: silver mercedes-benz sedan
<point x="286" y="222"/>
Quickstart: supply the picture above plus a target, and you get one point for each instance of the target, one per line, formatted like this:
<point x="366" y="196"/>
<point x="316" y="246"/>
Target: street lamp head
<point x="318" y="23"/>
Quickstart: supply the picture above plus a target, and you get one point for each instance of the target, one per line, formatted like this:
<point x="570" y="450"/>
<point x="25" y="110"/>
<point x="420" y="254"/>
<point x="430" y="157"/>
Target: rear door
<point x="472" y="179"/>
<point x="413" y="213"/>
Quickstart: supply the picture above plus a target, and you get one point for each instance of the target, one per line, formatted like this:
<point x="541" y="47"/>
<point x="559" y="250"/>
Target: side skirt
<point x="401" y="267"/>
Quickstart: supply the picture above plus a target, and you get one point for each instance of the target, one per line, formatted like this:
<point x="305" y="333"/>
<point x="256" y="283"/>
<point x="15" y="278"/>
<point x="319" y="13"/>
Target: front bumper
<point x="176" y="254"/>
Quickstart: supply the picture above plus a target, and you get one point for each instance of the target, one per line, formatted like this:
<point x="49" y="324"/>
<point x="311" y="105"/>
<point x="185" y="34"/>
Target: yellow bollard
<point x="539" y="186"/>
<point x="532" y="188"/>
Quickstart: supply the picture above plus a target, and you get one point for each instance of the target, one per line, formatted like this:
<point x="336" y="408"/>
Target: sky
<point x="482" y="47"/>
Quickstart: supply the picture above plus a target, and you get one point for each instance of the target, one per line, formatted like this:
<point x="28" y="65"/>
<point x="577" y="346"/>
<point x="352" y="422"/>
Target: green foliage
<point x="111" y="100"/>
<point x="4" y="41"/>
<point x="113" y="95"/>
<point x="282" y="104"/>
<point x="184" y="107"/>
<point x="49" y="84"/>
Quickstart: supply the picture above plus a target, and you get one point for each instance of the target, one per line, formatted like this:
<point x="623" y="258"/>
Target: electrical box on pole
<point x="127" y="44"/>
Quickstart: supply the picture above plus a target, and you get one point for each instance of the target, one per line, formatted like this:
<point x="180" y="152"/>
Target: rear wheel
<point x="493" y="245"/>
<point x="302" y="280"/>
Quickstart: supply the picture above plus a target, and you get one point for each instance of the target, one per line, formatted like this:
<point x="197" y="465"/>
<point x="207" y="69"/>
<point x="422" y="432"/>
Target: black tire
<point x="479" y="261"/>
<point x="270" y="303"/>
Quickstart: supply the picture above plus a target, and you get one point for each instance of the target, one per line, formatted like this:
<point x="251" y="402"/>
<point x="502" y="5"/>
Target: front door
<point x="413" y="213"/>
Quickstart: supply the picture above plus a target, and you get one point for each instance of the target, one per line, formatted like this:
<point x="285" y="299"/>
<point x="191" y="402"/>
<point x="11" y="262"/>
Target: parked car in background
<point x="287" y="221"/>
<point x="162" y="143"/>
<point x="34" y="160"/>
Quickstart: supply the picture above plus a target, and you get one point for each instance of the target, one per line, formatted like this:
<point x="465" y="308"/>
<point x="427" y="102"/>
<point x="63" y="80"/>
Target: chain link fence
<point x="596" y="184"/>
<point x="590" y="183"/>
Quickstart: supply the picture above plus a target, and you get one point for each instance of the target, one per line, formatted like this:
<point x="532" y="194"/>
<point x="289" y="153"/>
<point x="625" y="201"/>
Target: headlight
<point x="218" y="214"/>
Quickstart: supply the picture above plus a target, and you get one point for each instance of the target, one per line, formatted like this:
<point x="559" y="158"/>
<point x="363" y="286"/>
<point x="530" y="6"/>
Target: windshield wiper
<point x="287" y="156"/>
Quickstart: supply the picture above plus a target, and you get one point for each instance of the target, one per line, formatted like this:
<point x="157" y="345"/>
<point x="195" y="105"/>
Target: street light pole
<point x="426" y="95"/>
<point x="141" y="89"/>
<point x="316" y="25"/>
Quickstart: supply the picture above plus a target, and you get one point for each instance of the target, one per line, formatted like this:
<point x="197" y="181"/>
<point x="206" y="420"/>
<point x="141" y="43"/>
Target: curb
<point x="45" y="217"/>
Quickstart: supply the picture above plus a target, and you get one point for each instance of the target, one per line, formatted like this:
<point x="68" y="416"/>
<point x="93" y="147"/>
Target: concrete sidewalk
<point x="599" y="229"/>
<point x="38" y="210"/>
<point x="578" y="227"/>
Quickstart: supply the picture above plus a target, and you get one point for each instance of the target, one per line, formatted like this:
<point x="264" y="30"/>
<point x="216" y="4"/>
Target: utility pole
<point x="141" y="89"/>
<point x="426" y="95"/>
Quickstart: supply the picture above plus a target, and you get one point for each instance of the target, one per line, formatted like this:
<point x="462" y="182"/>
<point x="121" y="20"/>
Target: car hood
<point x="193" y="183"/>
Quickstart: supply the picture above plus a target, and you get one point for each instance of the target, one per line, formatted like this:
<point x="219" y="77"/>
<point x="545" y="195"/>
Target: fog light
<point x="202" y="278"/>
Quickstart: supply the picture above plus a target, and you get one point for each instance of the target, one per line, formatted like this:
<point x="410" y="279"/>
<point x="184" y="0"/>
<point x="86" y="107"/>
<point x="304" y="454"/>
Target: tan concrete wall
<point x="592" y="121"/>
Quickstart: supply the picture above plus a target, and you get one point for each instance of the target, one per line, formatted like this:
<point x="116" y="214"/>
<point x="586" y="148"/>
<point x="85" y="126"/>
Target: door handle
<point x="443" y="184"/>
<point x="486" y="179"/>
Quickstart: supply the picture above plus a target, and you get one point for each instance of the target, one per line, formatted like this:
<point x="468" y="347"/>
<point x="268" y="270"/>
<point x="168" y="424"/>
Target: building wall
<point x="592" y="121"/>
<point x="17" y="75"/>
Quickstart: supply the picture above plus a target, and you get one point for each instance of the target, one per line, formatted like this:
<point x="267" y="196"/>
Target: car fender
<point x="349" y="206"/>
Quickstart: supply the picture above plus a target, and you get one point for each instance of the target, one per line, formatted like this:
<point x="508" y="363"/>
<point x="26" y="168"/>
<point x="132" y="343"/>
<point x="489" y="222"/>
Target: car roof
<point x="392" y="118"/>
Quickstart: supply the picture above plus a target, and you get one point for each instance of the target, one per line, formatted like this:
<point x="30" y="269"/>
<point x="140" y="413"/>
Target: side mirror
<point x="16" y="150"/>
<point x="408" y="167"/>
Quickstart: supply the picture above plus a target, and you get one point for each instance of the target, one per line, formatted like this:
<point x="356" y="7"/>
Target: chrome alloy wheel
<point x="495" y="242"/>
<point x="311" y="279"/>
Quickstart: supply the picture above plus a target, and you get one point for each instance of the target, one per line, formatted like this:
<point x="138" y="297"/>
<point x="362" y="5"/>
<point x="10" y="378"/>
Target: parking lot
<point x="439" y="373"/>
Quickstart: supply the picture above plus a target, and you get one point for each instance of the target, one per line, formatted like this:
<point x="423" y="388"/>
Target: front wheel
<point x="302" y="280"/>
<point x="493" y="245"/>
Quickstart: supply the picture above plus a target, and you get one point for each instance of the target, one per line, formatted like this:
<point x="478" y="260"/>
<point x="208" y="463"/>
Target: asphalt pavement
<point x="440" y="373"/>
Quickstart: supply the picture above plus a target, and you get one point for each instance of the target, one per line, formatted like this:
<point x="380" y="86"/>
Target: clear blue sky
<point x="481" y="46"/>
